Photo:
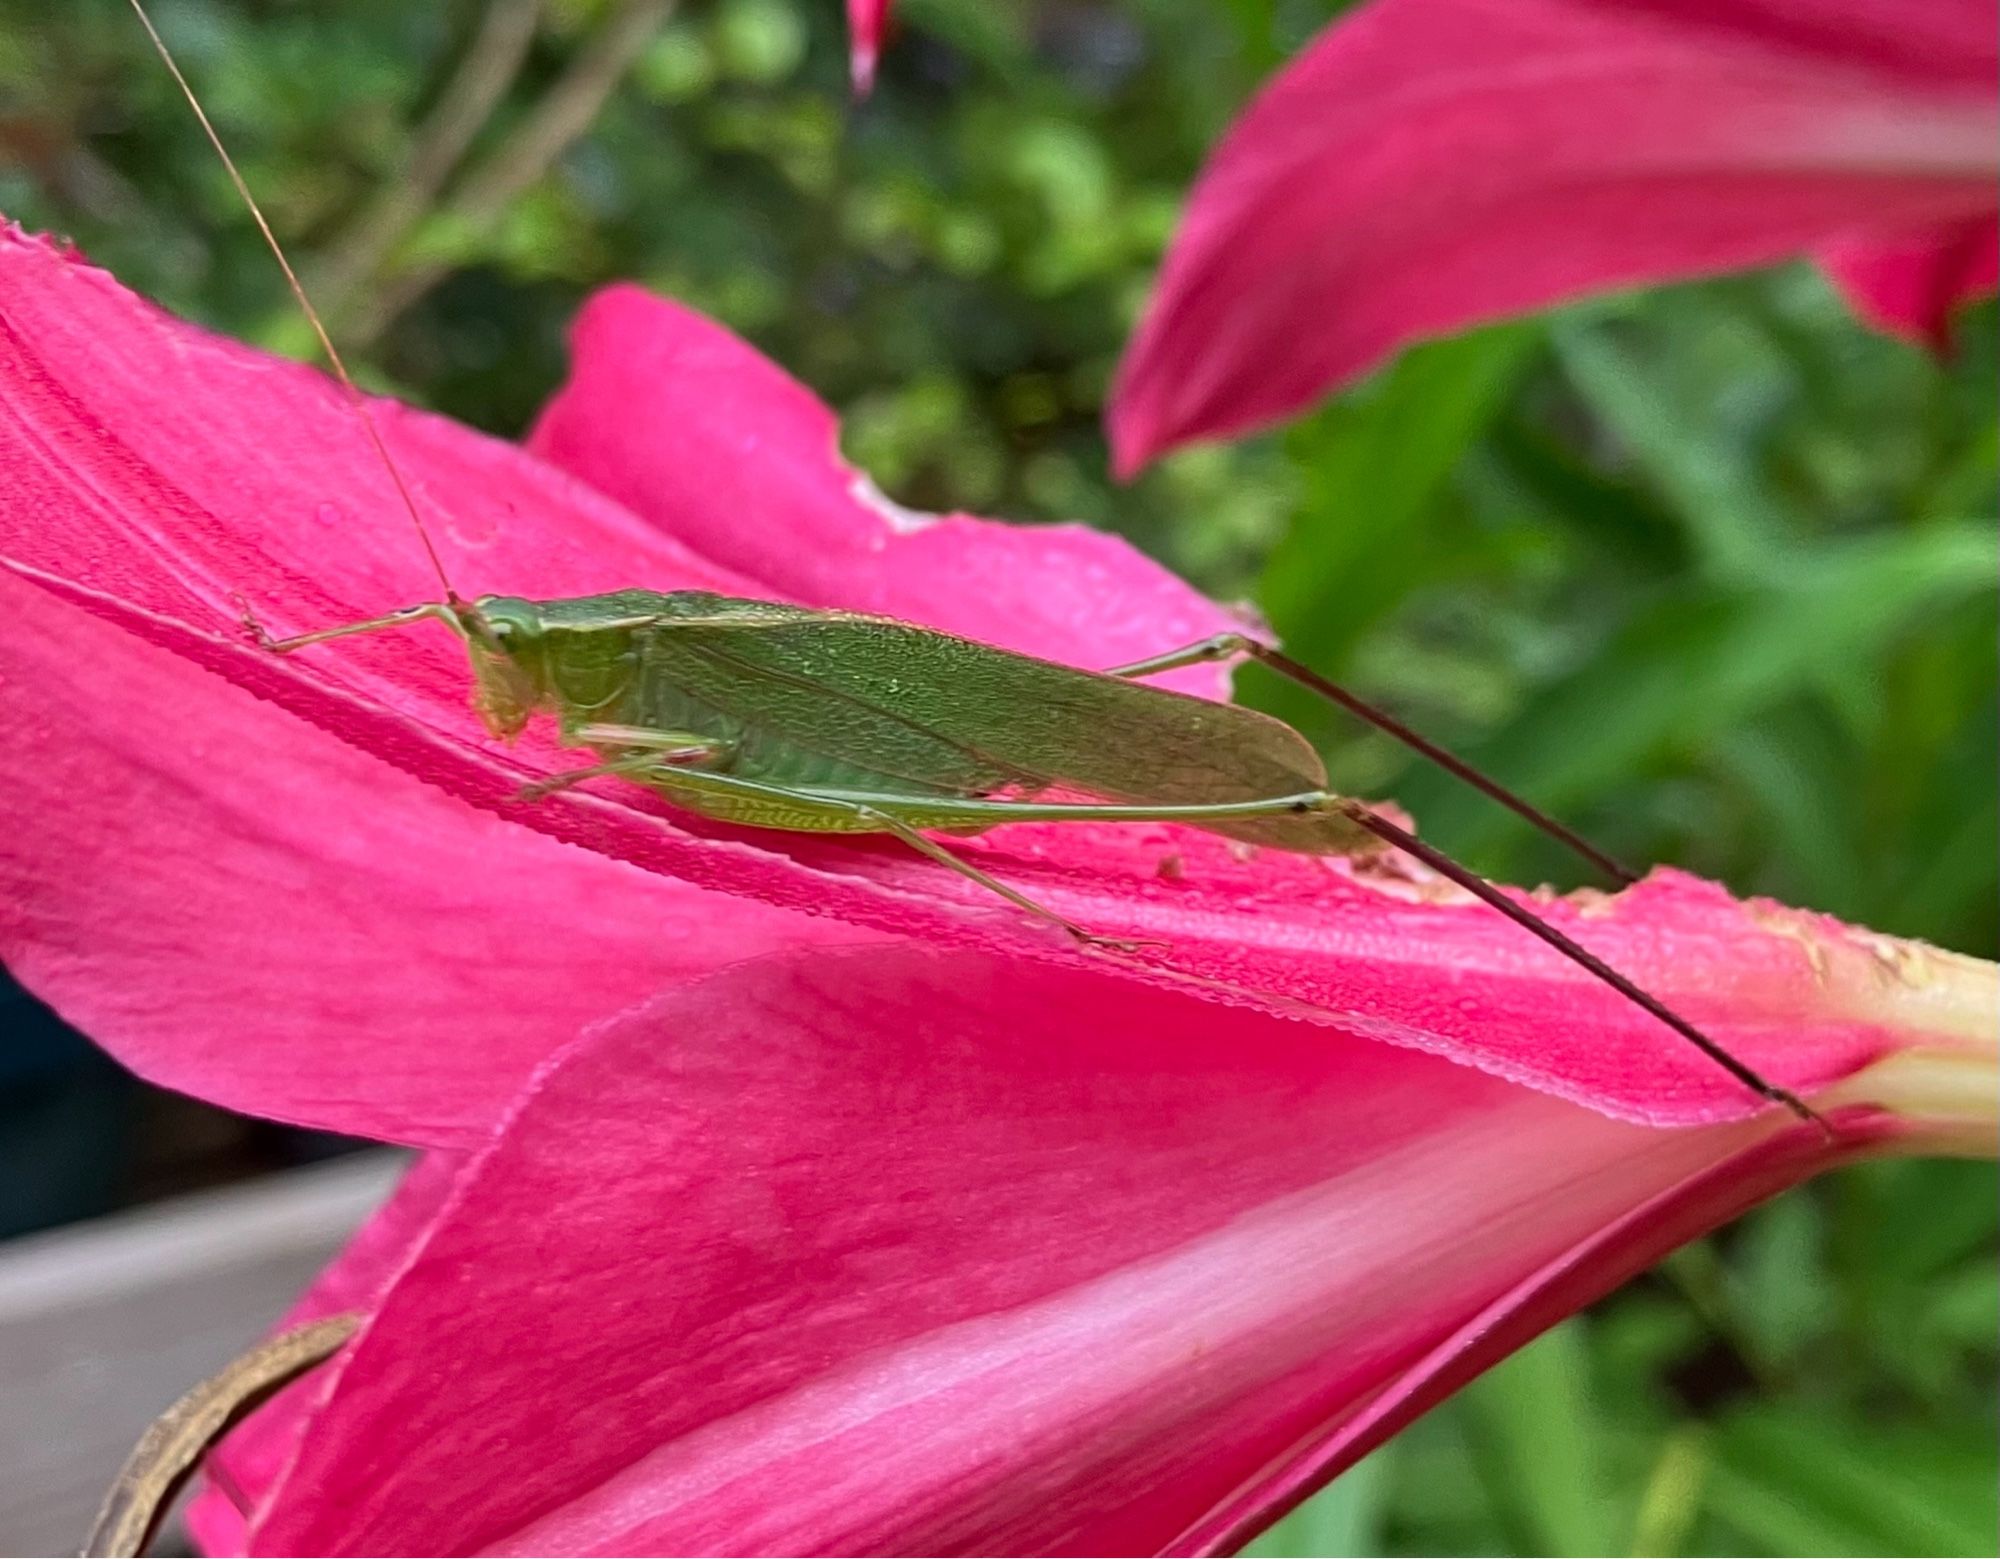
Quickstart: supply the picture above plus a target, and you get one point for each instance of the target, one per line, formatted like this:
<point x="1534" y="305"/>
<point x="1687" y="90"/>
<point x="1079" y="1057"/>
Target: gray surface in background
<point x="103" y="1324"/>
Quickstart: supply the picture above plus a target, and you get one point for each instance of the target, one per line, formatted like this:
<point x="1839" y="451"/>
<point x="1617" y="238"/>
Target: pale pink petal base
<point x="1627" y="1245"/>
<point x="907" y="1253"/>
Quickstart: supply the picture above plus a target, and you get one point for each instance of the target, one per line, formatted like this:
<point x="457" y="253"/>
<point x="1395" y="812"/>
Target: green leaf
<point x="1377" y="466"/>
<point x="1780" y="1299"/>
<point x="1535" y="1430"/>
<point x="1677" y="676"/>
<point x="1699" y="462"/>
<point x="1344" y="1518"/>
<point x="1801" y="1484"/>
<point x="1671" y="1499"/>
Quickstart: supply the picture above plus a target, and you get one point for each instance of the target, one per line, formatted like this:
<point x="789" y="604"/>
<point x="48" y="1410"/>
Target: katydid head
<point x="505" y="638"/>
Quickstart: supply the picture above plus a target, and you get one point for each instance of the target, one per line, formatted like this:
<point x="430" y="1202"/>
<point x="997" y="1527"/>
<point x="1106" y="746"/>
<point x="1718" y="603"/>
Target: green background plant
<point x="1710" y="571"/>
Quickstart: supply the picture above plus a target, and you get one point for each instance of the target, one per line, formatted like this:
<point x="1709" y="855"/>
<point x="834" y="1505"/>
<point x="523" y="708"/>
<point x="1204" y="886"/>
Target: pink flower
<point x="906" y="1252"/>
<point x="240" y="808"/>
<point x="1428" y="164"/>
<point x="787" y="1195"/>
<point x="867" y="20"/>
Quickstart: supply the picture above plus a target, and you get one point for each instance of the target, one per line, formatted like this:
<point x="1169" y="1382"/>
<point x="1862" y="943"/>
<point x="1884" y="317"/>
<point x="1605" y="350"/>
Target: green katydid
<point x="787" y="717"/>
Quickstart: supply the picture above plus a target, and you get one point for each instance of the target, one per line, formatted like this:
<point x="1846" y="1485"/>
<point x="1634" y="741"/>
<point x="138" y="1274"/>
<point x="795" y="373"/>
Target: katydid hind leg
<point x="890" y="824"/>
<point x="944" y="812"/>
<point x="974" y="814"/>
<point x="879" y="814"/>
<point x="1389" y="833"/>
<point x="1218" y="646"/>
<point x="1227" y="646"/>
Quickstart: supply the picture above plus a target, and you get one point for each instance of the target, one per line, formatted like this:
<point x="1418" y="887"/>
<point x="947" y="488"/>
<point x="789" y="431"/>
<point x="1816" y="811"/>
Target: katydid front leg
<point x="650" y="750"/>
<point x="298" y="641"/>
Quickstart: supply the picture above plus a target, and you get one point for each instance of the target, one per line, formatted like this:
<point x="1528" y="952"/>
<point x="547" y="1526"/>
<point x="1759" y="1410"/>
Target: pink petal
<point x="866" y="21"/>
<point x="238" y="904"/>
<point x="1625" y="1246"/>
<point x="1427" y="164"/>
<point x="1911" y="288"/>
<point x="905" y="1253"/>
<point x="691" y="427"/>
<point x="148" y="471"/>
<point x="1928" y="41"/>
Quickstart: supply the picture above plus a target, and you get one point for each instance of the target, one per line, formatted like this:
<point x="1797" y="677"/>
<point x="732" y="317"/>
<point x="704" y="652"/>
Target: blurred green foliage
<point x="1710" y="571"/>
